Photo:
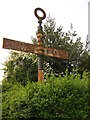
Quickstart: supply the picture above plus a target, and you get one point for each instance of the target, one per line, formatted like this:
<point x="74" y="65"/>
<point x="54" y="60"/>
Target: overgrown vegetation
<point x="58" y="98"/>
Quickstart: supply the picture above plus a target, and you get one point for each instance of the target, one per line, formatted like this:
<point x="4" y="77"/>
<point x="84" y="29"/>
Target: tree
<point x="67" y="41"/>
<point x="21" y="67"/>
<point x="78" y="55"/>
<point x="85" y="59"/>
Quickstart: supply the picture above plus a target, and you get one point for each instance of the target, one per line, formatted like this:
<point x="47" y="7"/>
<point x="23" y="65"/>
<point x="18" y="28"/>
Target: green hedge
<point x="58" y="98"/>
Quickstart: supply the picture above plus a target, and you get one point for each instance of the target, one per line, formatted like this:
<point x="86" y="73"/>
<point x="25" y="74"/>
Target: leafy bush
<point x="58" y="98"/>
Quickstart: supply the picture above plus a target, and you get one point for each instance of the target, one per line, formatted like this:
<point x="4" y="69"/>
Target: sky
<point x="89" y="26"/>
<point x="18" y="22"/>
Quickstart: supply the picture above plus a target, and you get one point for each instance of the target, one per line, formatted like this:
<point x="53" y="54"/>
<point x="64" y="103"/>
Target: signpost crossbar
<point x="26" y="47"/>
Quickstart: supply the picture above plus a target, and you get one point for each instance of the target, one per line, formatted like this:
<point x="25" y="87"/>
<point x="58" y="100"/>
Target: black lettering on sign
<point x="55" y="53"/>
<point x="25" y="47"/>
<point x="19" y="46"/>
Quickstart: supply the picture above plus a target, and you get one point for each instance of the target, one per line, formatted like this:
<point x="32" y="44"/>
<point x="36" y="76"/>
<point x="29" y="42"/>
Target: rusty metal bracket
<point x="44" y="14"/>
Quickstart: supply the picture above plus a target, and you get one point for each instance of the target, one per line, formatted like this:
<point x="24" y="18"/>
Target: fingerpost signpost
<point x="36" y="49"/>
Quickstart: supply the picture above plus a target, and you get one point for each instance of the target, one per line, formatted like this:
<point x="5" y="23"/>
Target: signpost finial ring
<point x="40" y="9"/>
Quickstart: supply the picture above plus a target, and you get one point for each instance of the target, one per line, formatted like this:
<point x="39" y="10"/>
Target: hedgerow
<point x="59" y="98"/>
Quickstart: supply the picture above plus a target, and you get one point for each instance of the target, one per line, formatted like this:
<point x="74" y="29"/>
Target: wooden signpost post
<point x="36" y="49"/>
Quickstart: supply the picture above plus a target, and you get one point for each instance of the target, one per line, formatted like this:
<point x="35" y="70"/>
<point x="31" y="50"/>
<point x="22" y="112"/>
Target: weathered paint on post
<point x="40" y="45"/>
<point x="40" y="76"/>
<point x="40" y="53"/>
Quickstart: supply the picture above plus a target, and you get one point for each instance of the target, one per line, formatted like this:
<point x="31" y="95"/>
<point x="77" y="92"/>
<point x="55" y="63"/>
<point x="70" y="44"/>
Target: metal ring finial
<point x="40" y="9"/>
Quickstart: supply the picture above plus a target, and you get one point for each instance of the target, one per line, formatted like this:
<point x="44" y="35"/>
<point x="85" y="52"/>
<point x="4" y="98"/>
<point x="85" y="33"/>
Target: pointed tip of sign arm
<point x="3" y="42"/>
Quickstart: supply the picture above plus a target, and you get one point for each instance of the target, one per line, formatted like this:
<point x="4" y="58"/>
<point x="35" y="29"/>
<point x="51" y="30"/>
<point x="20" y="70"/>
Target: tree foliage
<point x="21" y="67"/>
<point x="85" y="58"/>
<point x="67" y="41"/>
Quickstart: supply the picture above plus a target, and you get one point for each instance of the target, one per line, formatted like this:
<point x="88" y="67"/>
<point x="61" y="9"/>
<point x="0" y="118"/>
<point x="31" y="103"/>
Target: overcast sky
<point x="17" y="19"/>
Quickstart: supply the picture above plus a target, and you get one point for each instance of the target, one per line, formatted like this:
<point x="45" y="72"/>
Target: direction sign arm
<point x="19" y="46"/>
